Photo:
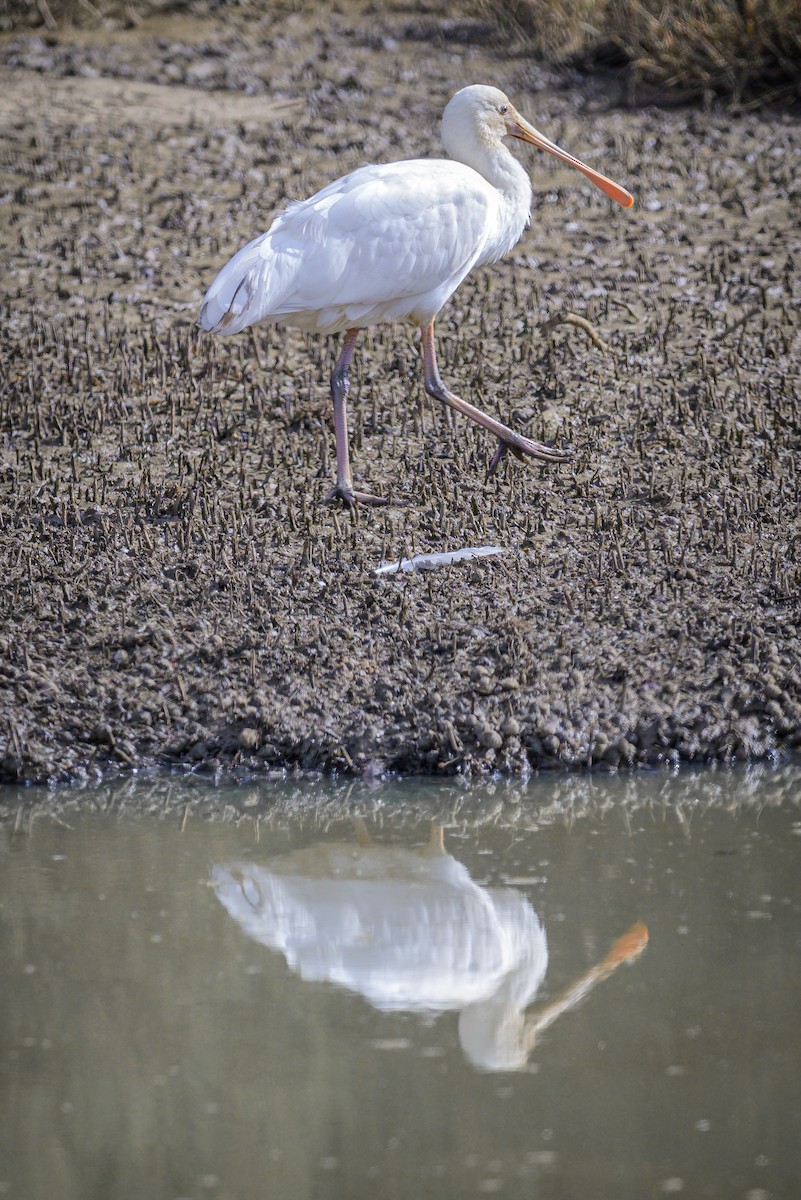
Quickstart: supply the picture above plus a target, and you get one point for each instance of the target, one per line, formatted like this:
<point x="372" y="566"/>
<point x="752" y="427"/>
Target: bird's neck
<point x="509" y="176"/>
<point x="513" y="186"/>
<point x="499" y="167"/>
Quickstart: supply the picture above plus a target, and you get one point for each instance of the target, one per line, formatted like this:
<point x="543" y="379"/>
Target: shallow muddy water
<point x="411" y="990"/>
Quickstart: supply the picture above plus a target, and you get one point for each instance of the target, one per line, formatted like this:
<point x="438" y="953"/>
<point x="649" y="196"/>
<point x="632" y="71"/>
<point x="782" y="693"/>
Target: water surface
<point x="415" y="990"/>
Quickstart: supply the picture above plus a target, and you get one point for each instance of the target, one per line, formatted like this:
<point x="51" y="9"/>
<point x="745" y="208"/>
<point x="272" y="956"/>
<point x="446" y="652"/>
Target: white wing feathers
<point x="381" y="244"/>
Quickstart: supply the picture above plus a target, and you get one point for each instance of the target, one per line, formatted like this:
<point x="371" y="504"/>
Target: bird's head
<point x="486" y="115"/>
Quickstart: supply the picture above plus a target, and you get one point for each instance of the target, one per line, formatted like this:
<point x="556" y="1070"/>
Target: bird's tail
<point x="244" y="292"/>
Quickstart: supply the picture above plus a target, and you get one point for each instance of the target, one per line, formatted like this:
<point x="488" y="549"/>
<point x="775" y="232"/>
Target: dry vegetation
<point x="744" y="50"/>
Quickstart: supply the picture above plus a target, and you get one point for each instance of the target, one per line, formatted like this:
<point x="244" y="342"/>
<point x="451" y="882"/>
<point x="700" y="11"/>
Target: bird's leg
<point x="508" y="439"/>
<point x="340" y="384"/>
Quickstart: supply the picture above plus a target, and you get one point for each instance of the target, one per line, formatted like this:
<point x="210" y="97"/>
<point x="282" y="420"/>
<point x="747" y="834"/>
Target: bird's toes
<point x="350" y="497"/>
<point x="501" y="450"/>
<point x="341" y="495"/>
<point x="524" y="449"/>
<point x="375" y="501"/>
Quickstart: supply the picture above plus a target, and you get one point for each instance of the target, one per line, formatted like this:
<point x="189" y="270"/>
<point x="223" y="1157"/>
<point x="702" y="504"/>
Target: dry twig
<point x="569" y="318"/>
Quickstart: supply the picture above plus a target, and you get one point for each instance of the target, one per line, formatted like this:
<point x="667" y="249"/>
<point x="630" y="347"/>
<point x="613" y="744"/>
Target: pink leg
<point x="340" y="384"/>
<point x="507" y="438"/>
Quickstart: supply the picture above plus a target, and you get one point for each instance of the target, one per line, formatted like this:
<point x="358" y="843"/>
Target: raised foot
<point x="525" y="447"/>
<point x="349" y="497"/>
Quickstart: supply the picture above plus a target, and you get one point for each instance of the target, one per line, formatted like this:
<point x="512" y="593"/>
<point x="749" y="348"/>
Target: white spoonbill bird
<point x="392" y="242"/>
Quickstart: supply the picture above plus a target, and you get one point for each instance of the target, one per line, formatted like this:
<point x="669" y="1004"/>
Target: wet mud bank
<point x="174" y="591"/>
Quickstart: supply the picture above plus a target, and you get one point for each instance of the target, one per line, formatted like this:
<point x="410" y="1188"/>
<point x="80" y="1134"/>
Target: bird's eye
<point x="504" y="108"/>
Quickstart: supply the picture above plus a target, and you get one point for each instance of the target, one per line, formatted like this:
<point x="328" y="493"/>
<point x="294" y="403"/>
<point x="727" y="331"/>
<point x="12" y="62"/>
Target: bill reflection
<point x="409" y="930"/>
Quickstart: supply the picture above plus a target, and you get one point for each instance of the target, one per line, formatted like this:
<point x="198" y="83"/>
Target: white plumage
<point x="385" y="243"/>
<point x="392" y="242"/>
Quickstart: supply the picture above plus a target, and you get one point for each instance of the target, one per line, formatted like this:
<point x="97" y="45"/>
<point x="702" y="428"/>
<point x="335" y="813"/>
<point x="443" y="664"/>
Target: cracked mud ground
<point x="173" y="590"/>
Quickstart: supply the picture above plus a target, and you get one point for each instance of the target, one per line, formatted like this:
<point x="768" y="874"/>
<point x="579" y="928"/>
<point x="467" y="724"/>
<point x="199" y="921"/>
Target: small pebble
<point x="489" y="738"/>
<point x="249" y="739"/>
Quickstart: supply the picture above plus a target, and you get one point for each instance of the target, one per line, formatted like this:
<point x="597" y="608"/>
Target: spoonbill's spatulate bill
<point x="392" y="243"/>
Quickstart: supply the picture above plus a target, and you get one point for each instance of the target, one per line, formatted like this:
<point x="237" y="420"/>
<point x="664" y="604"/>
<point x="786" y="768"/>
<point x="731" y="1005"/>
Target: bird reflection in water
<point x="409" y="930"/>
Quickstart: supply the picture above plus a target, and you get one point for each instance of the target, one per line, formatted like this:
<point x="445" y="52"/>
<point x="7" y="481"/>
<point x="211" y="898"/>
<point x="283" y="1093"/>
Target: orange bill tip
<point x="608" y="186"/>
<point x="632" y="943"/>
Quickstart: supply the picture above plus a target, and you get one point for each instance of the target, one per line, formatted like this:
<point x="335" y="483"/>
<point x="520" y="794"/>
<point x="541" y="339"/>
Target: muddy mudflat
<point x="174" y="590"/>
